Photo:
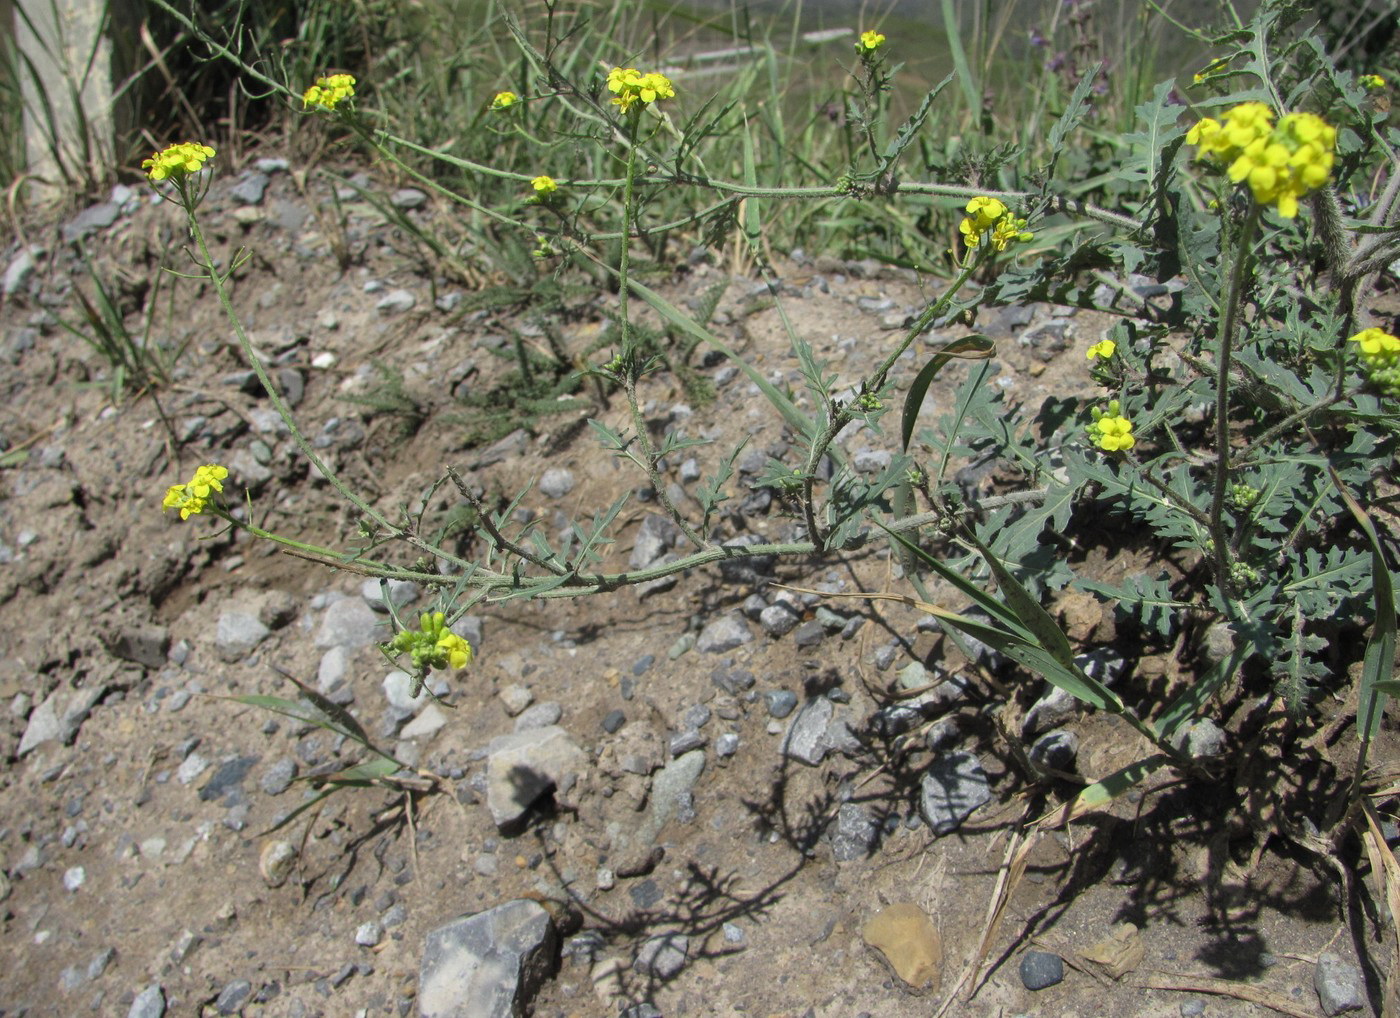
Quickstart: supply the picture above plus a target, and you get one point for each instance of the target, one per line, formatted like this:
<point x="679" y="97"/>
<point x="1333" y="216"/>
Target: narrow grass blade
<point x="1378" y="661"/>
<point x="976" y="347"/>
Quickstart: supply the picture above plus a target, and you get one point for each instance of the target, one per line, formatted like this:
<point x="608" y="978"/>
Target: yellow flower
<point x="1111" y="431"/>
<point x="329" y="91"/>
<point x="432" y="645"/>
<point x="986" y="213"/>
<point x="869" y="42"/>
<point x="504" y="100"/>
<point x="1009" y="230"/>
<point x="192" y="498"/>
<point x="1104" y="348"/>
<point x="1280" y="164"/>
<point x="630" y="86"/>
<point x="1380" y="355"/>
<point x="458" y="652"/>
<point x="544" y="186"/>
<point x="176" y="161"/>
<point x="1375" y="343"/>
<point x="1371" y="81"/>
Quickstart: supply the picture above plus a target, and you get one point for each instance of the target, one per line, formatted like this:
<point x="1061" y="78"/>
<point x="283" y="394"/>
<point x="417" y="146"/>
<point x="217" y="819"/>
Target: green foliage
<point x="1244" y="439"/>
<point x="389" y="397"/>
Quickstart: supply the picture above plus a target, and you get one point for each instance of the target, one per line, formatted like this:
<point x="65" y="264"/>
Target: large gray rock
<point x="663" y="957"/>
<point x="487" y="965"/>
<point x="1338" y="984"/>
<point x="350" y="623"/>
<point x="655" y="537"/>
<point x="951" y="789"/>
<point x="523" y="766"/>
<point x="856" y="833"/>
<point x="149" y="1003"/>
<point x="60" y="716"/>
<point x="806" y="736"/>
<point x="671" y="790"/>
<point x="722" y="634"/>
<point x="236" y="634"/>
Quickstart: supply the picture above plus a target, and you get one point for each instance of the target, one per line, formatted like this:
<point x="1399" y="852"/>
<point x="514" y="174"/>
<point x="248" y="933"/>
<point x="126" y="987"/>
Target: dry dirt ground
<point x="130" y="841"/>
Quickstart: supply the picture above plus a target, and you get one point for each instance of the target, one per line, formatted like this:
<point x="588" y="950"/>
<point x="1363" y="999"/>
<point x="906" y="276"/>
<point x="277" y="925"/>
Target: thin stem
<point x="631" y="361"/>
<point x="285" y="413"/>
<point x="839" y="416"/>
<point x="1225" y="338"/>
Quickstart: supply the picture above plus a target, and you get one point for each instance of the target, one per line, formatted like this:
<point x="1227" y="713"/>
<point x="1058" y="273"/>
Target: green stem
<point x="631" y="360"/>
<point x="838" y="418"/>
<point x="1225" y="338"/>
<point x="284" y="412"/>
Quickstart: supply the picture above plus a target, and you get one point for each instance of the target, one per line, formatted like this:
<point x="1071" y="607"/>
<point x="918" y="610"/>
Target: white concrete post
<point x="66" y="81"/>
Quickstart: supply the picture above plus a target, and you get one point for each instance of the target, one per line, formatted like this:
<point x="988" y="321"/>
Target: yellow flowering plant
<point x="633" y="90"/>
<point x="869" y="42"/>
<point x="1110" y="430"/>
<point x="1104" y="350"/>
<point x="1380" y="358"/>
<point x="1279" y="164"/>
<point x="192" y="497"/>
<point x="180" y="168"/>
<point x="504" y="100"/>
<point x="989" y="219"/>
<point x="329" y="92"/>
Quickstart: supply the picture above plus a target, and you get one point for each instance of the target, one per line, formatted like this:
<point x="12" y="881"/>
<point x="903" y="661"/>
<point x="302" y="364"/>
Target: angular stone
<point x="1056" y="750"/>
<point x="779" y="619"/>
<point x="227" y="778"/>
<point x="523" y="766"/>
<point x="350" y="623"/>
<point x="908" y="942"/>
<point x="396" y="302"/>
<point x="663" y="957"/>
<point x="671" y="791"/>
<point x="149" y="1003"/>
<point x="233" y="996"/>
<point x="401" y="592"/>
<point x="805" y="738"/>
<point x="655" y="537"/>
<point x="723" y="634"/>
<point x="856" y="833"/>
<point x="236" y="634"/>
<point x="60" y="716"/>
<point x="427" y="724"/>
<point x="143" y="644"/>
<point x="953" y="787"/>
<point x="487" y="965"/>
<point x="1338" y="984"/>
<point x="540" y="715"/>
<point x="556" y="482"/>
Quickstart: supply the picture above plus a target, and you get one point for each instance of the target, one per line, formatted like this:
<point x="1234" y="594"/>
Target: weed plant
<point x="1242" y="421"/>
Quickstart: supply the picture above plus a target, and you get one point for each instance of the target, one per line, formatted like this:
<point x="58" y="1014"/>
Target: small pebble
<point x="1040" y="969"/>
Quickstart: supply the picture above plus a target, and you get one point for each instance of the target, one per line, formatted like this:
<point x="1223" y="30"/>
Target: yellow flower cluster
<point x="985" y="215"/>
<point x="192" y="498"/>
<point x="329" y="91"/>
<point x="1110" y="430"/>
<point x="433" y="645"/>
<point x="630" y="86"/>
<point x="869" y="42"/>
<point x="504" y="100"/>
<point x="1279" y="163"/>
<point x="1105" y="348"/>
<point x="1380" y="354"/>
<point x="1371" y="81"/>
<point x="176" y="161"/>
<point x="544" y="186"/>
